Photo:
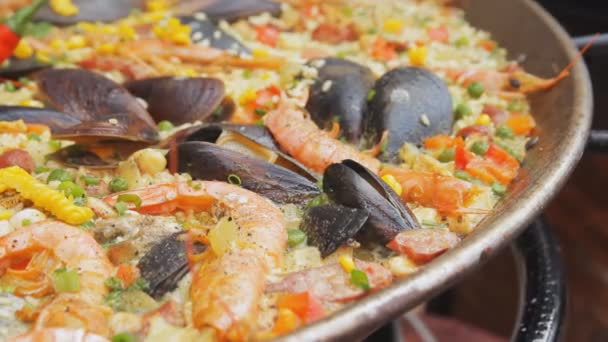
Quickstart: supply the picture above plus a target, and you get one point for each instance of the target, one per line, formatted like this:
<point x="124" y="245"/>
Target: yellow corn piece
<point x="65" y="8"/>
<point x="43" y="196"/>
<point x="43" y="56"/>
<point x="392" y="182"/>
<point x="57" y="44"/>
<point x="5" y="214"/>
<point x="76" y="42"/>
<point x="347" y="263"/>
<point x="27" y="103"/>
<point x="17" y="126"/>
<point x="86" y="26"/>
<point x="417" y="55"/>
<point x="483" y="119"/>
<point x="260" y="53"/>
<point x="156" y="5"/>
<point x="126" y="31"/>
<point x="393" y="25"/>
<point x="106" y="48"/>
<point x="23" y="50"/>
<point x="248" y="96"/>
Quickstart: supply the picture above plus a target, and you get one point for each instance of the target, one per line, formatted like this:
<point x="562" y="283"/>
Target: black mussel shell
<point x="165" y="264"/>
<point x="90" y="10"/>
<point x="58" y="122"/>
<point x="351" y="184"/>
<point x="329" y="226"/>
<point x="87" y="155"/>
<point x="205" y="31"/>
<point x="207" y="161"/>
<point x="106" y="109"/>
<point x="21" y="67"/>
<point x="229" y="10"/>
<point x="340" y="93"/>
<point x="411" y="104"/>
<point x="177" y="99"/>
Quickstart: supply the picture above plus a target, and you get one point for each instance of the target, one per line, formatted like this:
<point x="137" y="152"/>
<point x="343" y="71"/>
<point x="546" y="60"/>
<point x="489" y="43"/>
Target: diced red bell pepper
<point x="439" y="33"/>
<point x="267" y="34"/>
<point x="462" y="158"/>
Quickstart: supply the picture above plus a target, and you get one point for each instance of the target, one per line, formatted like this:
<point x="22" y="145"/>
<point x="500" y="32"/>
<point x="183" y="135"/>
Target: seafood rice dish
<point x="234" y="170"/>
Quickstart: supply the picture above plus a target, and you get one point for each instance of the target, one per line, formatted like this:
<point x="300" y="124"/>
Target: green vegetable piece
<point x="71" y="189"/>
<point x="119" y="184"/>
<point x="462" y="110"/>
<point x="475" y="90"/>
<point x="59" y="175"/>
<point x="499" y="189"/>
<point x="41" y="169"/>
<point x="121" y="208"/>
<point x="90" y="180"/>
<point x="130" y="198"/>
<point x="462" y="41"/>
<point x="260" y="111"/>
<point x="447" y="155"/>
<point x="55" y="144"/>
<point x="113" y="283"/>
<point x="480" y="147"/>
<point x="460" y="174"/>
<point x="9" y="86"/>
<point x="140" y="284"/>
<point x="504" y="132"/>
<point x="165" y="126"/>
<point x="295" y="237"/>
<point x="371" y="95"/>
<point x="515" y="106"/>
<point x="124" y="337"/>
<point x="88" y="225"/>
<point x="26" y="222"/>
<point x="234" y="179"/>
<point x="360" y="279"/>
<point x="66" y="281"/>
<point x="34" y="137"/>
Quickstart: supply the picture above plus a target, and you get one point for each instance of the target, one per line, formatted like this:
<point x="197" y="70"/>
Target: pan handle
<point x="542" y="288"/>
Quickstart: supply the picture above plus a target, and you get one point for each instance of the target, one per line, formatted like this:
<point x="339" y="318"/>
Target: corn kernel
<point x="57" y="44"/>
<point x="417" y="55"/>
<point x="126" y="31"/>
<point x="86" y="27"/>
<point x="393" y="25"/>
<point x="156" y="5"/>
<point x="181" y="38"/>
<point x="23" y="50"/>
<point x="76" y="42"/>
<point x="265" y="76"/>
<point x="5" y="214"/>
<point x="260" y="53"/>
<point x="106" y="48"/>
<point x="248" y="96"/>
<point x="347" y="263"/>
<point x="483" y="119"/>
<point x="65" y="8"/>
<point x="17" y="126"/>
<point x="392" y="182"/>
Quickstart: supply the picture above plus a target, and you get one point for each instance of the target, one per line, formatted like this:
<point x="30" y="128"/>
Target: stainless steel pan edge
<point x="564" y="118"/>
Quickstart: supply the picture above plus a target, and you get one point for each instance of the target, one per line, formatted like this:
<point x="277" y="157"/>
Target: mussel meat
<point x="351" y="184"/>
<point x="106" y="11"/>
<point x="166" y="264"/>
<point x="208" y="161"/>
<point x="177" y="99"/>
<point x="329" y="226"/>
<point x="106" y="109"/>
<point x="205" y="31"/>
<point x="340" y="92"/>
<point x="411" y="104"/>
<point x="229" y="10"/>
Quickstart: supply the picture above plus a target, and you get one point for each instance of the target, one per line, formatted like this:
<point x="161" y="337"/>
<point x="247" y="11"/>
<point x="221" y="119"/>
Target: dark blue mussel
<point x="229" y="10"/>
<point x="90" y="10"/>
<point x="205" y="31"/>
<point x="56" y="121"/>
<point x="17" y="68"/>
<point x="411" y="104"/>
<point x="340" y="93"/>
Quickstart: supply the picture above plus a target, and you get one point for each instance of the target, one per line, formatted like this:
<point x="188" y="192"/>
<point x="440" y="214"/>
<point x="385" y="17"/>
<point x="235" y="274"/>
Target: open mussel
<point x="329" y="226"/>
<point x="56" y="121"/>
<point x="229" y="10"/>
<point x="204" y="31"/>
<point x="16" y="68"/>
<point x="106" y="11"/>
<point x="177" y="99"/>
<point x="166" y="264"/>
<point x="351" y="184"/>
<point x="207" y="161"/>
<point x="340" y="93"/>
<point x="107" y="111"/>
<point x="411" y="104"/>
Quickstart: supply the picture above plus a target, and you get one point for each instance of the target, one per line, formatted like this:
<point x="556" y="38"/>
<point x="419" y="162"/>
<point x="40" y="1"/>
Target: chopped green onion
<point x="462" y="110"/>
<point x="9" y="87"/>
<point x="247" y="73"/>
<point x="260" y="111"/>
<point x="140" y="284"/>
<point x="113" y="283"/>
<point x="234" y="179"/>
<point x="295" y="237"/>
<point x="360" y="279"/>
<point x="90" y="180"/>
<point x="66" y="281"/>
<point x="460" y="174"/>
<point x="371" y="94"/>
<point x="55" y="144"/>
<point x="317" y="201"/>
<point x="114" y="299"/>
<point x="34" y="137"/>
<point x="480" y="147"/>
<point x="462" y="41"/>
<point x="119" y="184"/>
<point x="87" y="225"/>
<point x="165" y="126"/>
<point x="504" y="132"/>
<point x="499" y="189"/>
<point x="26" y="222"/>
<point x="121" y="208"/>
<point x="124" y="337"/>
<point x="509" y="149"/>
<point x="41" y="169"/>
<point x="39" y="29"/>
<point x="130" y="198"/>
<point x="446" y="155"/>
<point x="475" y="90"/>
<point x="515" y="106"/>
<point x="71" y="189"/>
<point x="59" y="175"/>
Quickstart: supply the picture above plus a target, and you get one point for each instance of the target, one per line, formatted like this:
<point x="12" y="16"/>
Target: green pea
<point x="462" y="110"/>
<point x="499" y="189"/>
<point x="59" y="175"/>
<point x="165" y="125"/>
<point x="446" y="155"/>
<point x="295" y="237"/>
<point x="460" y="174"/>
<point x="504" y="132"/>
<point x="119" y="184"/>
<point x="71" y="189"/>
<point x="124" y="337"/>
<point x="475" y="90"/>
<point x="90" y="180"/>
<point x="480" y="147"/>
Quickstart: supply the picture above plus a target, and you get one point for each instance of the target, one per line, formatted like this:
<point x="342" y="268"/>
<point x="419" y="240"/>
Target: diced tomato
<point x="423" y="245"/>
<point x="441" y="141"/>
<point x="267" y="34"/>
<point x="304" y="304"/>
<point x="497" y="165"/>
<point x="497" y="114"/>
<point x="521" y="124"/>
<point x="487" y="44"/>
<point x="334" y="34"/>
<point x="383" y="50"/>
<point x="37" y="128"/>
<point x="501" y="156"/>
<point x="128" y="274"/>
<point x="19" y="158"/>
<point x="439" y="33"/>
<point x="462" y="158"/>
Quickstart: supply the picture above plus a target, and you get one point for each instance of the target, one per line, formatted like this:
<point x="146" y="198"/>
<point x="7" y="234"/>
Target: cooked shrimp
<point x="444" y="193"/>
<point x="42" y="248"/>
<point x="59" y="335"/>
<point x="299" y="136"/>
<point x="225" y="289"/>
